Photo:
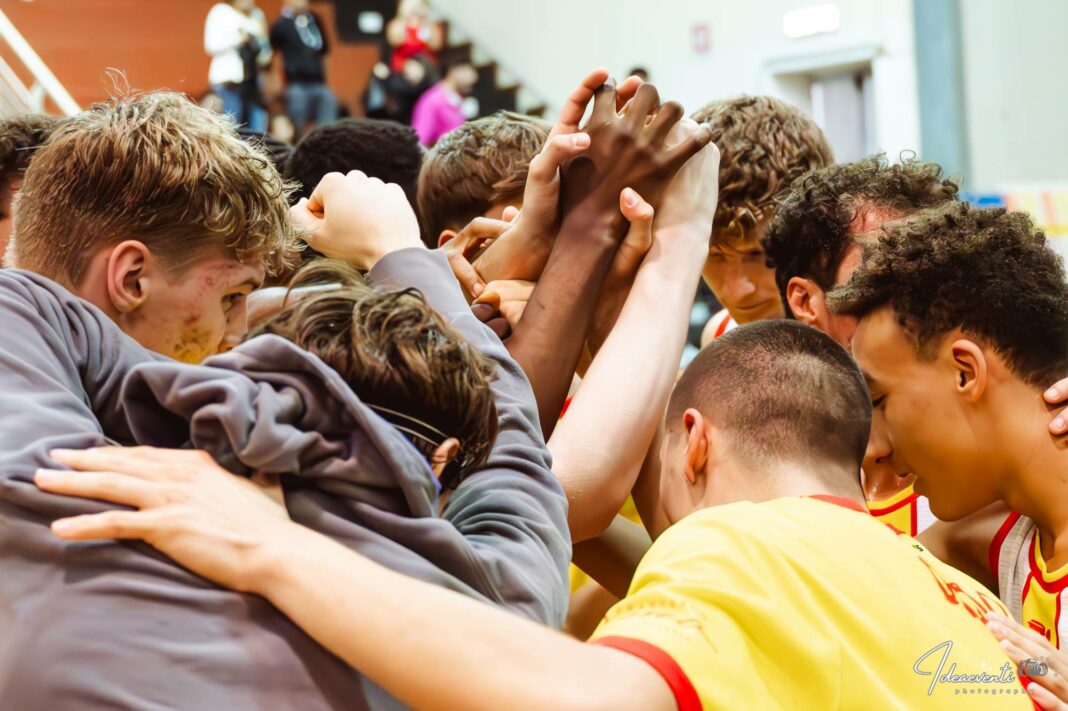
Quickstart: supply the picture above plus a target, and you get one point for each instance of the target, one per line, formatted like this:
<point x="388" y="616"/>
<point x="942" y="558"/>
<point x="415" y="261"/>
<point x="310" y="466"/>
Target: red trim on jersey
<point x="1026" y="588"/>
<point x="563" y="410"/>
<point x="1057" y="622"/>
<point x="1052" y="587"/>
<point x="840" y="501"/>
<point x="894" y="507"/>
<point x="685" y="695"/>
<point x="994" y="552"/>
<point x="722" y="327"/>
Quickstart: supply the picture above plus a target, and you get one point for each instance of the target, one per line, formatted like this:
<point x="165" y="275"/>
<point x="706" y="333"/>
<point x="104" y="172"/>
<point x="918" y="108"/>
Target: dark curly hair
<point x="810" y="232"/>
<point x="385" y="150"/>
<point x="399" y="357"/>
<point x="988" y="272"/>
<point x="764" y="144"/>
<point x="19" y="139"/>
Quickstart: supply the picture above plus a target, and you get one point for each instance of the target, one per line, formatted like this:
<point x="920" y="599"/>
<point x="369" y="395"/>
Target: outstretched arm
<point x="598" y="448"/>
<point x="628" y="149"/>
<point x="471" y="656"/>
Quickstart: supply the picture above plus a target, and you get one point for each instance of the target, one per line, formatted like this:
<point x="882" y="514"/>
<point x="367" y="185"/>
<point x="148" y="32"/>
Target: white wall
<point x="1015" y="91"/>
<point x="549" y="44"/>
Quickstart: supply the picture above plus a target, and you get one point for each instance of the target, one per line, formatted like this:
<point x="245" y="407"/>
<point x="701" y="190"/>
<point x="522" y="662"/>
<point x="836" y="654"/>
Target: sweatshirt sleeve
<point x="512" y="512"/>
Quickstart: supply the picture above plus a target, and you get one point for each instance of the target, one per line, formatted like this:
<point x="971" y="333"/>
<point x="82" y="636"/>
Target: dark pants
<point x="306" y="101"/>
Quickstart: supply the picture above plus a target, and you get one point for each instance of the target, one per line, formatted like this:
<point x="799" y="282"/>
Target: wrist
<point x="270" y="568"/>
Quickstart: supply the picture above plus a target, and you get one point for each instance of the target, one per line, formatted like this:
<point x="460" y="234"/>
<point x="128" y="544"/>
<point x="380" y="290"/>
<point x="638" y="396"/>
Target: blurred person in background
<point x="440" y="109"/>
<point x="235" y="39"/>
<point x="298" y="36"/>
<point x="412" y="34"/>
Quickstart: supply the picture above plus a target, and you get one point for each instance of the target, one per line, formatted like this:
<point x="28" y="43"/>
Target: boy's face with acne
<point x="200" y="313"/>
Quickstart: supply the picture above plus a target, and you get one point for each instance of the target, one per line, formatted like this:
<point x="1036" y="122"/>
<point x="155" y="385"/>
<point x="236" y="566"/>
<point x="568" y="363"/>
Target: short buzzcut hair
<point x="385" y="150"/>
<point x="988" y="272"/>
<point x="764" y="144"/>
<point x="479" y="164"/>
<point x="400" y="357"/>
<point x="20" y="137"/>
<point x="780" y="391"/>
<point x="157" y="168"/>
<point x="812" y="227"/>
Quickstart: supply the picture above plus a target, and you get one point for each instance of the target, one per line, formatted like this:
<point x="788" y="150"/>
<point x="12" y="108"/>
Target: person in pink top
<point x="438" y="110"/>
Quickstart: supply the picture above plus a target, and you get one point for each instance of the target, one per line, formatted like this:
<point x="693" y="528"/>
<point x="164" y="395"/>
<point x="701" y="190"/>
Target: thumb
<point x="557" y="151"/>
<point x="304" y="219"/>
<point x="639" y="214"/>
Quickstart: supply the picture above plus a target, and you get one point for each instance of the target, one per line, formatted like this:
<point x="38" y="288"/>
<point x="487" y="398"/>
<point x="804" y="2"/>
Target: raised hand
<point x="357" y="219"/>
<point x="629" y="148"/>
<point x="522" y="253"/>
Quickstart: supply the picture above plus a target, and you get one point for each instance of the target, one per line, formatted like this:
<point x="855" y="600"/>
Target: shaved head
<point x="781" y="392"/>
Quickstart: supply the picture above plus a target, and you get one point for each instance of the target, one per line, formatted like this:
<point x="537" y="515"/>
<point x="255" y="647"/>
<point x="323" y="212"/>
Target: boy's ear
<point x="445" y="453"/>
<point x="804" y="299"/>
<point x="697" y="444"/>
<point x="446" y="236"/>
<point x="970" y="369"/>
<point x="127" y="276"/>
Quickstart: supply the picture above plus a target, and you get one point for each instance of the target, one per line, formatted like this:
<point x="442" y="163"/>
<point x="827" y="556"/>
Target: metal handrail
<point x="45" y="84"/>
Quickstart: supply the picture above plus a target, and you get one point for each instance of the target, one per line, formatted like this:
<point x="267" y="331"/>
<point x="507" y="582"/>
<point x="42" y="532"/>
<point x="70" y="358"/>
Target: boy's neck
<point x="1037" y="482"/>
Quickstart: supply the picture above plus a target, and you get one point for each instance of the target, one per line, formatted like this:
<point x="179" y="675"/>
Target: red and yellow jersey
<point x="899" y="511"/>
<point x="1033" y="594"/>
<point x="906" y="512"/>
<point x="797" y="603"/>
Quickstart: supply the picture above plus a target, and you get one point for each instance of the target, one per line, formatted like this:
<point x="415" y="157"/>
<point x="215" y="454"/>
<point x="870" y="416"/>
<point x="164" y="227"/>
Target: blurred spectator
<point x="412" y="34"/>
<point x="230" y="38"/>
<point x="640" y="72"/>
<point x="255" y="56"/>
<point x="439" y="110"/>
<point x="404" y="88"/>
<point x="298" y="36"/>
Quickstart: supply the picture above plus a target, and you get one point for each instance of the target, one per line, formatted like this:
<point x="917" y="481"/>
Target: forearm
<point x="597" y="449"/>
<point x="612" y="557"/>
<point x="547" y="341"/>
<point x="471" y="656"/>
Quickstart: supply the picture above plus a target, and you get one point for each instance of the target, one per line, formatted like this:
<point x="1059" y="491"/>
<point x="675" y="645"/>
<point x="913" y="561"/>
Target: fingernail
<point x="1052" y="394"/>
<point x="630" y="197"/>
<point x="47" y="476"/>
<point x="1057" y="424"/>
<point x="63" y="525"/>
<point x="477" y="289"/>
<point x="580" y="140"/>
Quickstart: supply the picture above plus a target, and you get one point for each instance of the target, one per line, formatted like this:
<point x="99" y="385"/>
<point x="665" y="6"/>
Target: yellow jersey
<point x="805" y="603"/>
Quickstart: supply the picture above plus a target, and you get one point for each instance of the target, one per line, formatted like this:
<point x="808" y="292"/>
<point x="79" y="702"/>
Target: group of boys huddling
<point x="364" y="490"/>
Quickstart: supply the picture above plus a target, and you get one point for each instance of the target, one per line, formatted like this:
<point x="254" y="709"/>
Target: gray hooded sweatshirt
<point x="117" y="625"/>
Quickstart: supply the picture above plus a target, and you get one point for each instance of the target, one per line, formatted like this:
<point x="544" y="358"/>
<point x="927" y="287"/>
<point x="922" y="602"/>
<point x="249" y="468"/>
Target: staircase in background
<point x="15" y="96"/>
<point x="495" y="91"/>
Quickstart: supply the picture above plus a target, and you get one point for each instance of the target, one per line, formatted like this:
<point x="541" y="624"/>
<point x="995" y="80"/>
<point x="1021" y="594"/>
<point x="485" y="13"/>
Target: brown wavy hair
<point x="764" y="144"/>
<point x="812" y="227"/>
<point x="20" y="137"/>
<point x="988" y="272"/>
<point x="479" y="164"/>
<point x="157" y="168"/>
<point x="395" y="352"/>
